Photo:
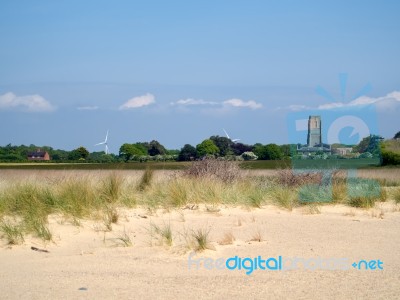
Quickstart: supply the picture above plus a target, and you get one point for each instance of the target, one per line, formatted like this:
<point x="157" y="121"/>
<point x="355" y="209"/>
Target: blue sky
<point x="180" y="71"/>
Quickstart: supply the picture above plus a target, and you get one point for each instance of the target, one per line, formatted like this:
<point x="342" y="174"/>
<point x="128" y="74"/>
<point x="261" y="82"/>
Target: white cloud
<point x="385" y="102"/>
<point x="211" y="107"/>
<point x="87" y="108"/>
<point x="139" y="101"/>
<point x="240" y="103"/>
<point x="191" y="101"/>
<point x="297" y="107"/>
<point x="29" y="103"/>
<point x="331" y="105"/>
<point x="381" y="102"/>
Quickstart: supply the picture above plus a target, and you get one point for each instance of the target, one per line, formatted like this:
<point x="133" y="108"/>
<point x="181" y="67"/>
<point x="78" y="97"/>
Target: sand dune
<point x="86" y="262"/>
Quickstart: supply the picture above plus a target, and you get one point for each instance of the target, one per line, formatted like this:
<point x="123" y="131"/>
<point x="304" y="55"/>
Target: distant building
<point x="343" y="150"/>
<point x="314" y="138"/>
<point x="314" y="131"/>
<point x="38" y="155"/>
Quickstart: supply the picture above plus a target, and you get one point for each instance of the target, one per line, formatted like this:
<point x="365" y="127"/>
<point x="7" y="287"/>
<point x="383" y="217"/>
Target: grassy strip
<point x="251" y="165"/>
<point x="25" y="205"/>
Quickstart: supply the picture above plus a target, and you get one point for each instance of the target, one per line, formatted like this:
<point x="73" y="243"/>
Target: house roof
<point x="37" y="154"/>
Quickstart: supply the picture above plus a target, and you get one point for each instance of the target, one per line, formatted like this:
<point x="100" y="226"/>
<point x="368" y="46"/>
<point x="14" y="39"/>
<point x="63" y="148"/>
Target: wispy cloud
<point x="219" y="106"/>
<point x="137" y="102"/>
<point x="28" y="103"/>
<point x="87" y="108"/>
<point x="240" y="103"/>
<point x="191" y="101"/>
<point x="383" y="102"/>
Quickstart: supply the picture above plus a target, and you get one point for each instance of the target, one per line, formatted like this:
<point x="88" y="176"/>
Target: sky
<point x="181" y="71"/>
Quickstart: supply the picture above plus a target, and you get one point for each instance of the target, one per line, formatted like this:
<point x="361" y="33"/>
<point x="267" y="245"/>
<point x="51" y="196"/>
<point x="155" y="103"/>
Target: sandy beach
<point x="85" y="262"/>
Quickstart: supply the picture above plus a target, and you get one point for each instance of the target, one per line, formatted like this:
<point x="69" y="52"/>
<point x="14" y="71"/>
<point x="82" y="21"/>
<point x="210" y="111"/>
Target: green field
<point x="257" y="165"/>
<point x="96" y="166"/>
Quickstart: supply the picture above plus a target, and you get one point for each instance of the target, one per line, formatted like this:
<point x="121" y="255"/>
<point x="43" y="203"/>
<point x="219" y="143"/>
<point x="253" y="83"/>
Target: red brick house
<point x="38" y="155"/>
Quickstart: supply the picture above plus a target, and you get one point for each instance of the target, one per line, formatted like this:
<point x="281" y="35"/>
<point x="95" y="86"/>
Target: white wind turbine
<point x="233" y="140"/>
<point x="104" y="143"/>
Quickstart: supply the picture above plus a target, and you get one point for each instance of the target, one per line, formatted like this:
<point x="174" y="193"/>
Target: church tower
<point x="314" y="131"/>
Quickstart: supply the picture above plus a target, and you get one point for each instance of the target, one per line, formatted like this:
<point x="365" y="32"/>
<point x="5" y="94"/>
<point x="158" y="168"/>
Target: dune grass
<point x="13" y="233"/>
<point x="162" y="233"/>
<point x="396" y="195"/>
<point x="201" y="239"/>
<point x="30" y="200"/>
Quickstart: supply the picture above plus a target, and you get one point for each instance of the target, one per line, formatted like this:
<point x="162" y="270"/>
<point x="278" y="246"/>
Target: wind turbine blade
<point x="102" y="143"/>
<point x="226" y="133"/>
<point x="105" y="141"/>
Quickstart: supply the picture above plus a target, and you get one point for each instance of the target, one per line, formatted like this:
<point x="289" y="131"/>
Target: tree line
<point x="215" y="146"/>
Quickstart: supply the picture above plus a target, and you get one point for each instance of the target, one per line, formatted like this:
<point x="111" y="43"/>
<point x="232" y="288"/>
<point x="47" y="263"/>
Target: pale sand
<point x="80" y="257"/>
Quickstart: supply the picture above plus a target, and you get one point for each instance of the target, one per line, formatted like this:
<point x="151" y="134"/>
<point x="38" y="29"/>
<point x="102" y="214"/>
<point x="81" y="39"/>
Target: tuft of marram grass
<point x="164" y="233"/>
<point x="315" y="193"/>
<point x="12" y="232"/>
<point x="396" y="195"/>
<point x="364" y="193"/>
<point x="145" y="180"/>
<point x="201" y="239"/>
<point x="257" y="236"/>
<point x="177" y="193"/>
<point x="110" y="216"/>
<point x="112" y="188"/>
<point x="284" y="197"/>
<point x="227" y="239"/>
<point x="78" y="198"/>
<point x="124" y="239"/>
<point x="42" y="231"/>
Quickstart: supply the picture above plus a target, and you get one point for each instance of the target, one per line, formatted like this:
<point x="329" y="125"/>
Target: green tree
<point x="143" y="146"/>
<point x="273" y="152"/>
<point x="369" y="144"/>
<point x="206" y="147"/>
<point x="268" y="152"/>
<point x="239" y="148"/>
<point x="129" y="151"/>
<point x="397" y="135"/>
<point x="286" y="150"/>
<point x="223" y="143"/>
<point x="173" y="152"/>
<point x="187" y="153"/>
<point x="155" y="148"/>
<point x="78" y="153"/>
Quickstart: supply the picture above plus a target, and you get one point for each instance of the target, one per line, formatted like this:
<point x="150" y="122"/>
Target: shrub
<point x="249" y="156"/>
<point x="226" y="171"/>
<point x="287" y="177"/>
<point x="390" y="158"/>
